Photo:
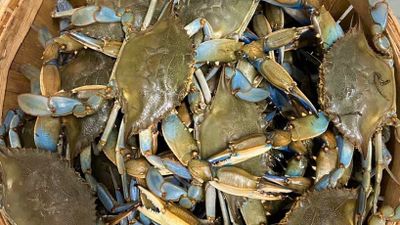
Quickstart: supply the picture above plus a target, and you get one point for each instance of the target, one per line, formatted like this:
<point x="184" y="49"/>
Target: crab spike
<point x="217" y="50"/>
<point x="110" y="48"/>
<point x="275" y="74"/>
<point x="47" y="130"/>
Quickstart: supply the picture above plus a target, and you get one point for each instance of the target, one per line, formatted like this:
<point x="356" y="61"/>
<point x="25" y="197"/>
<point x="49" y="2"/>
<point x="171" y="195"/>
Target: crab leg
<point x="375" y="17"/>
<point x="149" y="14"/>
<point x="198" y="24"/>
<point x="346" y="150"/>
<point x="280" y="78"/>
<point x="211" y="196"/>
<point x="242" y="88"/>
<point x="119" y="159"/>
<point x="86" y="161"/>
<point x="224" y="210"/>
<point x="87" y="15"/>
<point x="365" y="188"/>
<point x="203" y="85"/>
<point x="109" y="202"/>
<point x="110" y="124"/>
<point x="167" y="190"/>
<point x="110" y="48"/>
<point x="379" y="166"/>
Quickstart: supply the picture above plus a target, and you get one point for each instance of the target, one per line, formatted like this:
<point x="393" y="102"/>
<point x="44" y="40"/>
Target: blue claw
<point x="217" y="50"/>
<point x="63" y="106"/>
<point x="248" y="37"/>
<point x="254" y="95"/>
<point x="171" y="192"/>
<point x="105" y="197"/>
<point x="47" y="130"/>
<point x="196" y="192"/>
<point x="309" y="126"/>
<point x="109" y="202"/>
<point x="239" y="82"/>
<point x="154" y="181"/>
<point x="92" y="14"/>
<point x="330" y="180"/>
<point x="379" y="13"/>
<point x="177" y="169"/>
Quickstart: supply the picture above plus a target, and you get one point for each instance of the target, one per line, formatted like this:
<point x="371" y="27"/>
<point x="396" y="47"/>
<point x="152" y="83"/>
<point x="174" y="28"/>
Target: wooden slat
<point x="12" y="36"/>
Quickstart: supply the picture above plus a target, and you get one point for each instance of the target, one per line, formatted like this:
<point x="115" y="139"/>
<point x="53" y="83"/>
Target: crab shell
<point x="327" y="207"/>
<point x="38" y="188"/>
<point x="153" y="73"/>
<point x="357" y="88"/>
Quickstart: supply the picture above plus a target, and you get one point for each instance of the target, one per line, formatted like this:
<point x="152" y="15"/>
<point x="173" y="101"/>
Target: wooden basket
<point x="19" y="45"/>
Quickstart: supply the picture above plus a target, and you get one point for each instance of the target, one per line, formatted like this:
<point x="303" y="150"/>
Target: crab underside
<point x="153" y="73"/>
<point x="327" y="207"/>
<point x="357" y="88"/>
<point x="39" y="188"/>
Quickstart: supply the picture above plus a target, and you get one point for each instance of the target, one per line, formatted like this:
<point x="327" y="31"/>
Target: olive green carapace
<point x="327" y="207"/>
<point x="80" y="132"/>
<point x="228" y="119"/>
<point x="87" y="68"/>
<point x="153" y="73"/>
<point x="357" y="88"/>
<point x="226" y="17"/>
<point x="38" y="188"/>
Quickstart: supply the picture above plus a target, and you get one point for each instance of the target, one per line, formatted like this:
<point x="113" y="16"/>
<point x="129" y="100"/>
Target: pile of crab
<point x="203" y="112"/>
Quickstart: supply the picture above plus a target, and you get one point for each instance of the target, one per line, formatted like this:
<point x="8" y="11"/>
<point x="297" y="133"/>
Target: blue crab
<point x="359" y="95"/>
<point x="38" y="188"/>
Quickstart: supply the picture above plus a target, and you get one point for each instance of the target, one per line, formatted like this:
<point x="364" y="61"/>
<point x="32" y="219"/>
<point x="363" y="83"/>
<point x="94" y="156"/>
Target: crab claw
<point x="298" y="184"/>
<point x="262" y="194"/>
<point x="218" y="50"/>
<point x="166" y="214"/>
<point x="275" y="74"/>
<point x="91" y="14"/>
<point x="38" y="105"/>
<point x="47" y="130"/>
<point x="110" y="48"/>
<point x="241" y="150"/>
<point x="309" y="126"/>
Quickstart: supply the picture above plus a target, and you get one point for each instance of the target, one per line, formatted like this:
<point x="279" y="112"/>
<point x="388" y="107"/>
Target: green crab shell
<point x="357" y="88"/>
<point x="327" y="207"/>
<point x="38" y="188"/>
<point x="153" y="73"/>
<point x="227" y="17"/>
